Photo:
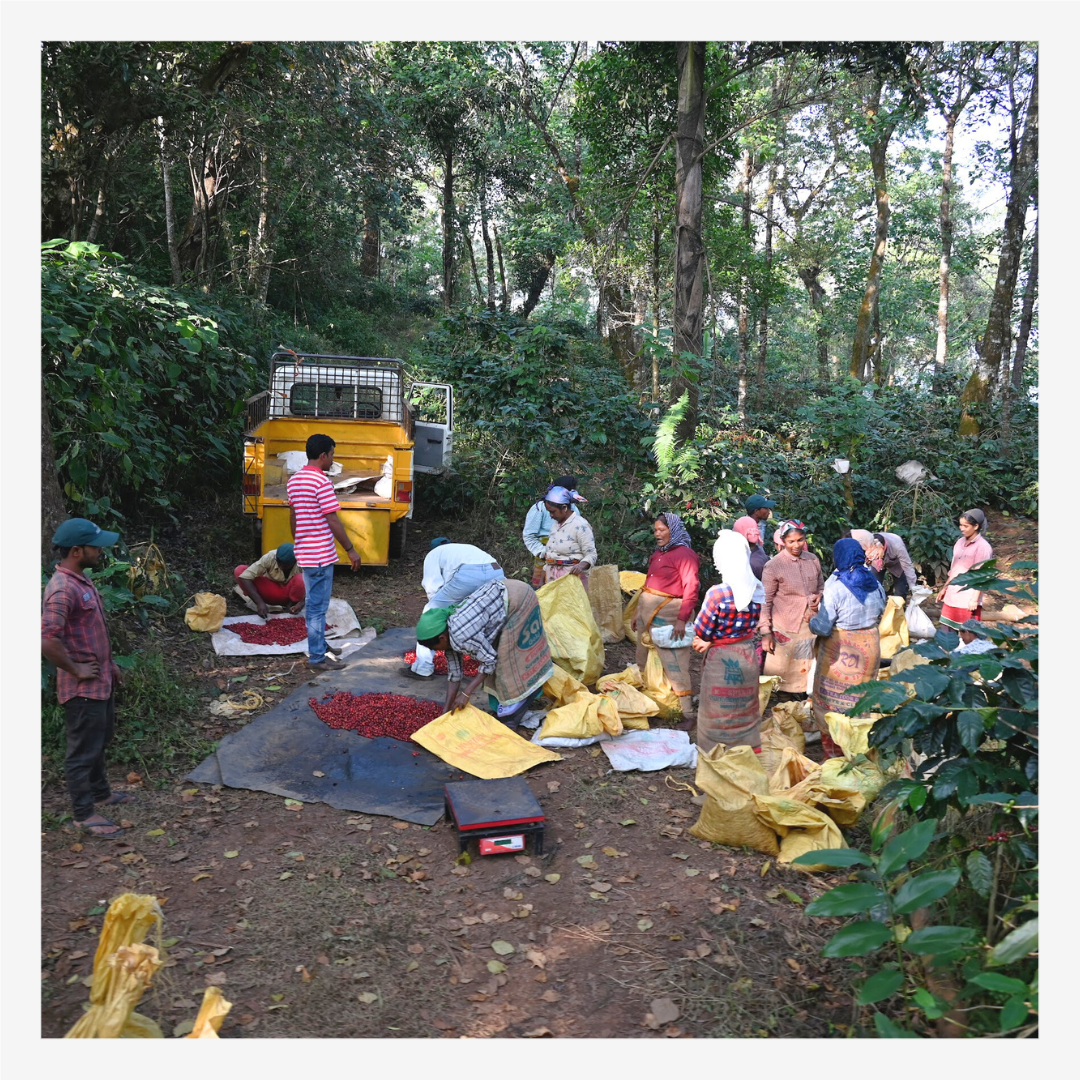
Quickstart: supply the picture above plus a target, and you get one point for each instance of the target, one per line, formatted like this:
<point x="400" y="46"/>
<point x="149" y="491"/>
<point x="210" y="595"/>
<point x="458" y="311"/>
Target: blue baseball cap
<point x="758" y="502"/>
<point x="286" y="553"/>
<point x="78" y="532"/>
<point x="439" y="541"/>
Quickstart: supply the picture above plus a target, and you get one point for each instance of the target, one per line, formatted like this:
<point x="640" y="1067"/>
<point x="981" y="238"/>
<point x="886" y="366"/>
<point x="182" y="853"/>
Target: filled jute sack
<point x="731" y="779"/>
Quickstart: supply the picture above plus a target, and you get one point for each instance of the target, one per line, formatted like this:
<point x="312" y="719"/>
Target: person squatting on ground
<point x="273" y="579"/>
<point x="539" y="524"/>
<point x="313" y="515"/>
<point x="75" y="639"/>
<point x="725" y="632"/>
<point x="500" y="626"/>
<point x="969" y="553"/>
<point x="570" y="548"/>
<point x="849" y="652"/>
<point x="452" y="572"/>
<point x="792" y="581"/>
<point x="669" y="598"/>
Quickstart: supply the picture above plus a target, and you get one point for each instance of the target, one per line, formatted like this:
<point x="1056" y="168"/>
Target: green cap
<point x="78" y="532"/>
<point x="432" y="623"/>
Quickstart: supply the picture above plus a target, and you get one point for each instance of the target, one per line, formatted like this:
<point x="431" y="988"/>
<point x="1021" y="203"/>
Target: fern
<point x="682" y="463"/>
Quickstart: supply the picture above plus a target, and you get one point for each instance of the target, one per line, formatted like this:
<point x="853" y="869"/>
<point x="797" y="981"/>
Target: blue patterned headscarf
<point x="851" y="569"/>
<point x="679" y="536"/>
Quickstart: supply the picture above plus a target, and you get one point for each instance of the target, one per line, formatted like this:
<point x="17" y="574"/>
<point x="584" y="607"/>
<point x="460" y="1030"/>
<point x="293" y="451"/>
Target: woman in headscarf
<point x="500" y="626"/>
<point x="538" y="526"/>
<point x="669" y="598"/>
<point x="887" y="551"/>
<point x="570" y="547"/>
<point x="969" y="553"/>
<point x="852" y="603"/>
<point x="751" y="529"/>
<point x="793" y="583"/>
<point x="728" y="708"/>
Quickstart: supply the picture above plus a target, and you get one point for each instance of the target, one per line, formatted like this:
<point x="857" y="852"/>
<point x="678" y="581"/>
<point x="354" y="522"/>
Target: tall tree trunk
<point x="448" y="229"/>
<point x="487" y="247"/>
<point x="369" y="250"/>
<point x="504" y="303"/>
<point x="743" y="346"/>
<point x="689" y="274"/>
<point x="945" y="219"/>
<point x="809" y="277"/>
<point x="875" y="352"/>
<point x="1026" y="315"/>
<point x="99" y="216"/>
<point x="860" y="349"/>
<point x="466" y="232"/>
<point x="259" y="249"/>
<point x="53" y="506"/>
<point x="763" y="319"/>
<point x="170" y="218"/>
<point x="999" y="323"/>
<point x="544" y="262"/>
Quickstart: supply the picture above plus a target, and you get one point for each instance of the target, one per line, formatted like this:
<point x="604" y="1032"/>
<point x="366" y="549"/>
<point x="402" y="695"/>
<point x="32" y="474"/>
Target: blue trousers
<point x="319" y="584"/>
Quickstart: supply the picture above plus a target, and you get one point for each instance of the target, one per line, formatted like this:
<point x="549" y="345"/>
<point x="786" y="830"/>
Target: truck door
<point x="433" y="428"/>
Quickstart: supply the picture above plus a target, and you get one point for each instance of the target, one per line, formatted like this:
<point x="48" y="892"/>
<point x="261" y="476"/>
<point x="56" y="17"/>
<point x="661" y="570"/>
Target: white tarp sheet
<point x="340" y="617"/>
<point x="657" y="748"/>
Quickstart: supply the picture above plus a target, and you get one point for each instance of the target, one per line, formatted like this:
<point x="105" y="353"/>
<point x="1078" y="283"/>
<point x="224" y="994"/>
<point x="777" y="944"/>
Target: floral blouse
<point x="573" y="539"/>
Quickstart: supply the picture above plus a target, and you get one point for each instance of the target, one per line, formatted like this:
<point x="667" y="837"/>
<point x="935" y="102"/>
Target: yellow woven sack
<point x="864" y="777"/>
<point x="628" y="699"/>
<point x="766" y="685"/>
<point x="843" y="804"/>
<point x="851" y="733"/>
<point x="655" y="685"/>
<point x="585" y="716"/>
<point x="631" y="582"/>
<point x="572" y="633"/>
<point x="904" y="660"/>
<point x="630" y="675"/>
<point x="790" y="717"/>
<point x="802" y="827"/>
<point x="562" y="687"/>
<point x="605" y="599"/>
<point x="893" y="628"/>
<point x="792" y="768"/>
<point x="213" y="1010"/>
<point x="207" y="613"/>
<point x="479" y="744"/>
<point x="123" y="969"/>
<point x="773" y="744"/>
<point x="730" y="779"/>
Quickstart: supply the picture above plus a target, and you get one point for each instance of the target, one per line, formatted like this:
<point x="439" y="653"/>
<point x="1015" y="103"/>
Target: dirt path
<point x="318" y="922"/>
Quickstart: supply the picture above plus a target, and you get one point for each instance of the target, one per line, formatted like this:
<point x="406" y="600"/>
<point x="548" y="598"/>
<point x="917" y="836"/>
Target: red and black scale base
<point x="500" y="814"/>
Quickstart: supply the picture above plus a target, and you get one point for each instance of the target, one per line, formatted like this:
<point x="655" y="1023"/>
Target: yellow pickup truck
<point x="386" y="431"/>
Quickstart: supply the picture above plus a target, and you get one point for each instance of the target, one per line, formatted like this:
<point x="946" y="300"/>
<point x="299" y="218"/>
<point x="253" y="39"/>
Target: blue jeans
<point x="318" y="583"/>
<point x="466" y="580"/>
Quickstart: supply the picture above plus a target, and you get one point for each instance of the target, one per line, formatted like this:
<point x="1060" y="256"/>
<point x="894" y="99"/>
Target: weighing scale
<point x="498" y="813"/>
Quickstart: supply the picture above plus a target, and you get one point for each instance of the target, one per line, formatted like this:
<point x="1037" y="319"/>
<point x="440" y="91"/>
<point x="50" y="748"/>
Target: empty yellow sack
<point x="773" y="744"/>
<point x="585" y="716"/>
<point x="572" y="633"/>
<point x="123" y="969"/>
<point x="214" y="1009"/>
<point x="655" y="685"/>
<point x="207" y="613"/>
<point x="851" y="733"/>
<point x="632" y="582"/>
<point x="802" y="827"/>
<point x="893" y="628"/>
<point x="562" y="687"/>
<point x="730" y="780"/>
<point x="605" y="599"/>
<point x="843" y="804"/>
<point x="479" y="744"/>
<point x="766" y="685"/>
<point x="792" y="768"/>
<point x="628" y="699"/>
<point x="904" y="660"/>
<point x="790" y="717"/>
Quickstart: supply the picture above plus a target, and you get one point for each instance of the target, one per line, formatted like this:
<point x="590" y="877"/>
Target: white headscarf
<point x="731" y="554"/>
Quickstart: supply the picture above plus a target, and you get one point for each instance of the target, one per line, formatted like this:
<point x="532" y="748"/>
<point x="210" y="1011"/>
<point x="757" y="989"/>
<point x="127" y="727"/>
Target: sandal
<point x="88" y="826"/>
<point x="117" y="798"/>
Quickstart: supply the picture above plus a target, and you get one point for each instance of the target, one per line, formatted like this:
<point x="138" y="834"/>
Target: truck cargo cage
<point x="337" y="387"/>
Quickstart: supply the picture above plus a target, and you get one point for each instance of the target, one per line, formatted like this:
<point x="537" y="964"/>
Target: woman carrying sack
<point x="667" y="602"/>
<point x="500" y="626"/>
<point x="852" y="603"/>
<point x="793" y="583"/>
<point x="724" y="632"/>
<point x="538" y="526"/>
<point x="570" y="549"/>
<point x="969" y="553"/>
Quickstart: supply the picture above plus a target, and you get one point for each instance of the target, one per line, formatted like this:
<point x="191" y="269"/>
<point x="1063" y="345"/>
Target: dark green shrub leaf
<point x="938" y="939"/>
<point x="980" y="873"/>
<point x="925" y="889"/>
<point x="909" y="845"/>
<point x="880" y="985"/>
<point x="917" y="797"/>
<point x="883" y="697"/>
<point x="970" y="727"/>
<point x="1000" y="984"/>
<point x="833" y="857"/>
<point x="886" y="1029"/>
<point x="932" y="1006"/>
<point x="846" y="900"/>
<point x="1014" y="1013"/>
<point x="1016" y="945"/>
<point x="928" y="681"/>
<point x="858" y="939"/>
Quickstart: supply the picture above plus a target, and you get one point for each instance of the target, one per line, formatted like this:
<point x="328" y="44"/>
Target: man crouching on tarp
<point x="500" y="626"/>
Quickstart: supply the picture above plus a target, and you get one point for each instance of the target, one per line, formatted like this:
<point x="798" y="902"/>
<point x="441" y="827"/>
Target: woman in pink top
<point x="969" y="553"/>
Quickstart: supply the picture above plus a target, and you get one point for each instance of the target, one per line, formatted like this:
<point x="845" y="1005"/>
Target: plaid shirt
<point x="719" y="620"/>
<point x="474" y="629"/>
<point x="72" y="611"/>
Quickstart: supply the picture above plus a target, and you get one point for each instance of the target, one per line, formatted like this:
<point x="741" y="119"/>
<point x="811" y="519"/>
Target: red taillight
<point x="251" y="485"/>
<point x="403" y="491"/>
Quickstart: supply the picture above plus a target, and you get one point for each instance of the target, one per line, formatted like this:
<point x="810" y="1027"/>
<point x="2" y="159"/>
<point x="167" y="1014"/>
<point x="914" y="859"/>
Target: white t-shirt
<point x="442" y="563"/>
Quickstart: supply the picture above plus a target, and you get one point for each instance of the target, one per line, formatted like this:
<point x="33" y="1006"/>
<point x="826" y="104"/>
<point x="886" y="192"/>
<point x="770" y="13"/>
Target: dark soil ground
<point x="322" y="923"/>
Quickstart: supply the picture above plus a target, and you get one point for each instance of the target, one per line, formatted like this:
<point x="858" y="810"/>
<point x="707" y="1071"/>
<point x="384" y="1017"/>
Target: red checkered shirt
<point x="719" y="620"/>
<point x="72" y="611"/>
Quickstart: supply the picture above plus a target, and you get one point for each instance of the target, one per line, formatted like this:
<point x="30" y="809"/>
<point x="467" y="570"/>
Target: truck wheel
<point x="398" y="532"/>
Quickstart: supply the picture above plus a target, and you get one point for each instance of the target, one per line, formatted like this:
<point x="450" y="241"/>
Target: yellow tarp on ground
<point x="572" y="633"/>
<point x="207" y="613"/>
<point x="479" y="744"/>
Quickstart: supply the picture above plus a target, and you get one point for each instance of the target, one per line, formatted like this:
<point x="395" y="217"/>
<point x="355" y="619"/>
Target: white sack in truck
<point x="384" y="488"/>
<point x="295" y="460"/>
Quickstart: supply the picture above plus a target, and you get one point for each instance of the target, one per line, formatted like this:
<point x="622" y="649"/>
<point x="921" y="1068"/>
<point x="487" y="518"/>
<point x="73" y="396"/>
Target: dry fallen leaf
<point x="552" y="878"/>
<point x="247" y="864"/>
<point x="588" y="862"/>
<point x="644" y="924"/>
<point x="550" y="995"/>
<point x="765" y="867"/>
<point x="665" y="1010"/>
<point x="496" y="967"/>
<point x="512" y="894"/>
<point x="305" y="975"/>
<point x="285" y="876"/>
<point x="134" y="778"/>
<point x="416" y="949"/>
<point x="538" y="1033"/>
<point x="533" y="871"/>
<point x="156" y="832"/>
<point x="536" y="958"/>
<point x="714" y="874"/>
<point x="293" y="804"/>
<point x="459" y="871"/>
<point x="691" y="872"/>
<point x="601" y="886"/>
<point x="553" y="786"/>
<point x="412" y="965"/>
<point x="231" y="854"/>
<point x="367" y="997"/>
<point x="400" y="825"/>
<point x="503" y="948"/>
<point x="318" y="773"/>
<point x="794" y="964"/>
<point x="490" y="917"/>
<point x="199" y="877"/>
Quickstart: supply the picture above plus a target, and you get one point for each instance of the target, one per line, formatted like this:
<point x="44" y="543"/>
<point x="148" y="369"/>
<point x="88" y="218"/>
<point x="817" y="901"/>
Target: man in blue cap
<point x="273" y="579"/>
<point x="760" y="509"/>
<point x="75" y="639"/>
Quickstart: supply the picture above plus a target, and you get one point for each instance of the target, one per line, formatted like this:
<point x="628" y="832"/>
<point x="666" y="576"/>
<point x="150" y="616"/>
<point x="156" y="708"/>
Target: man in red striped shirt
<point x="313" y="513"/>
